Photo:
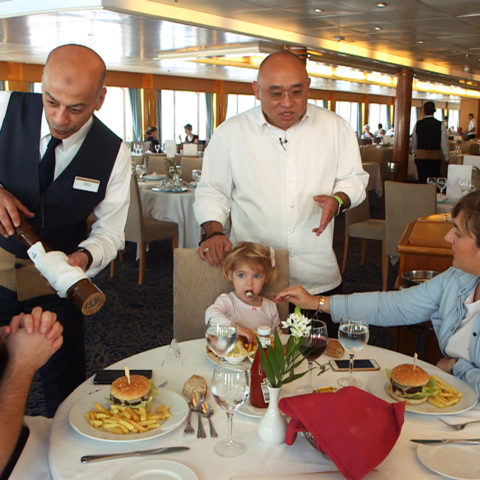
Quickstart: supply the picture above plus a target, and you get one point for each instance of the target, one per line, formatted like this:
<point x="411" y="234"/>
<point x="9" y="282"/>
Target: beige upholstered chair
<point x="188" y="164"/>
<point x="196" y="285"/>
<point x="404" y="203"/>
<point x="141" y="230"/>
<point x="358" y="224"/>
<point x="157" y="163"/>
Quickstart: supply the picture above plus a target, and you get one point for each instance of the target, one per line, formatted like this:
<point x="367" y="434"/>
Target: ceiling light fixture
<point x="381" y="5"/>
<point x="420" y="42"/>
<point x="318" y="10"/>
<point x="339" y="38"/>
<point x="378" y="28"/>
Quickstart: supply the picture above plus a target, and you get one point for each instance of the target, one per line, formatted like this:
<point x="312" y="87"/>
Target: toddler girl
<point x="248" y="266"/>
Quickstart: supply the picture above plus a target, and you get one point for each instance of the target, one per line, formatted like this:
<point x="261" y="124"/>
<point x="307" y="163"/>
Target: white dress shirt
<point x="443" y="140"/>
<point x="471" y="126"/>
<point x="228" y="306"/>
<point x="107" y="235"/>
<point x="266" y="177"/>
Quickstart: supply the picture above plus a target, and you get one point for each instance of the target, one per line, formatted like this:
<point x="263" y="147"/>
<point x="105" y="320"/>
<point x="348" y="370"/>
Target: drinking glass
<point x="196" y="175"/>
<point x="353" y="335"/>
<point x="221" y="337"/>
<point x="157" y="147"/>
<point x="140" y="170"/>
<point x="311" y="348"/>
<point x="466" y="186"/>
<point x="230" y="389"/>
<point x="441" y="184"/>
<point x="432" y="180"/>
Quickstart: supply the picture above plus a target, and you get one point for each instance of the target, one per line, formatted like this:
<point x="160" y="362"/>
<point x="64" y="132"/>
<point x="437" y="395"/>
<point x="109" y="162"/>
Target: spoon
<point x="196" y="407"/>
<point x="207" y="411"/>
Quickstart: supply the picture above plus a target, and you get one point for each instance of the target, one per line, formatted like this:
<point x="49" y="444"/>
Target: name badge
<point x="86" y="184"/>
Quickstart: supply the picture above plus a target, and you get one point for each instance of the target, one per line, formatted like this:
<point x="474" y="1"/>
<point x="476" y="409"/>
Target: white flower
<point x="298" y="324"/>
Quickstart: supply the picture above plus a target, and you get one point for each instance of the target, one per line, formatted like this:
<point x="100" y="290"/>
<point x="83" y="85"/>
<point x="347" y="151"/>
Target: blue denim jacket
<point x="441" y="300"/>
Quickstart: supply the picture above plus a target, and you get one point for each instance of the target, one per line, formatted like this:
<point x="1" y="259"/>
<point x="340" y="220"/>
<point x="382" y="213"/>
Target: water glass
<point x="196" y="175"/>
<point x="230" y="388"/>
<point x="466" y="186"/>
<point x="221" y="337"/>
<point x="157" y="148"/>
<point x="140" y="170"/>
<point x="353" y="335"/>
<point x="441" y="184"/>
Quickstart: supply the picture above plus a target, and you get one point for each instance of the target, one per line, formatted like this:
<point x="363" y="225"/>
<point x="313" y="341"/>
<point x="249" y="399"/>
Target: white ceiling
<point x="132" y="34"/>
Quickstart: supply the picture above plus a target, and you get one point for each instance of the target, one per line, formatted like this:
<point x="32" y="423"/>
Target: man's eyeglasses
<point x="278" y="95"/>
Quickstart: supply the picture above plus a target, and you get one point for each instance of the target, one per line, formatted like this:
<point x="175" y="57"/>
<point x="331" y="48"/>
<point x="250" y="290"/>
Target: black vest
<point x="65" y="209"/>
<point x="429" y="134"/>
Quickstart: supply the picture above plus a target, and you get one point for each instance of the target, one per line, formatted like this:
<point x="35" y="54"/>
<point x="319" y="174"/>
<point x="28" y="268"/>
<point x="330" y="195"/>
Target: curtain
<point x="159" y="115"/>
<point x="389" y="118"/>
<point x="359" y="119"/>
<point x="2" y="85"/>
<point x="31" y="87"/>
<point x="209" y="104"/>
<point x="134" y="94"/>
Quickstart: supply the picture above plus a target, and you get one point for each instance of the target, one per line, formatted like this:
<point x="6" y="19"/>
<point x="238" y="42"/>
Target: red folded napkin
<point x="354" y="428"/>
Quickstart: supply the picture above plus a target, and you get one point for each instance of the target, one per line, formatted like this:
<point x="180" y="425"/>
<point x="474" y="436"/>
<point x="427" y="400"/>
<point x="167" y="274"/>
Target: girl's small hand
<point x="245" y="332"/>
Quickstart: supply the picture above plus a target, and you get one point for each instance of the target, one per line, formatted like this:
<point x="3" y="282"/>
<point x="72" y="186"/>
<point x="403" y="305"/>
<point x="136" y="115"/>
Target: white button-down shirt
<point x="107" y="236"/>
<point x="265" y="179"/>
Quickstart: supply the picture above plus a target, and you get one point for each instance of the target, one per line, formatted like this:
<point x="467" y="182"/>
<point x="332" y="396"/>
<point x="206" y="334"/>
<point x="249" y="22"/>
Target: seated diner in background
<point x="451" y="300"/>
<point x="366" y="132"/>
<point x="151" y="135"/>
<point x="189" y="136"/>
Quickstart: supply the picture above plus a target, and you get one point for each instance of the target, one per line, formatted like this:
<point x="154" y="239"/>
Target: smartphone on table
<point x="359" y="364"/>
<point x="106" y="377"/>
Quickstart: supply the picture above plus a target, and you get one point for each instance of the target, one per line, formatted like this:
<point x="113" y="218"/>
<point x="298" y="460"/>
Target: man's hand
<point x="9" y="212"/>
<point x="329" y="206"/>
<point x="78" y="259"/>
<point x="215" y="249"/>
<point x="298" y="296"/>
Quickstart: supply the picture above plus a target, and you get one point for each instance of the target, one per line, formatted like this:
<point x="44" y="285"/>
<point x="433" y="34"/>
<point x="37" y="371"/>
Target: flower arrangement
<point x="279" y="362"/>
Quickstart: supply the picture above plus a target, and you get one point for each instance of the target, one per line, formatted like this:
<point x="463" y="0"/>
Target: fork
<point x="188" y="427"/>
<point x="196" y="406"/>
<point x="458" y="426"/>
<point x="207" y="411"/>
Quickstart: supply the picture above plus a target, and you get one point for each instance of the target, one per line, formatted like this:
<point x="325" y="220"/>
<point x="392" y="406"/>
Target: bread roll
<point x="334" y="349"/>
<point x="195" y="384"/>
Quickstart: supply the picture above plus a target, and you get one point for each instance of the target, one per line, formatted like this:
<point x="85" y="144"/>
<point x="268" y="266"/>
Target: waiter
<point x="429" y="144"/>
<point x="58" y="164"/>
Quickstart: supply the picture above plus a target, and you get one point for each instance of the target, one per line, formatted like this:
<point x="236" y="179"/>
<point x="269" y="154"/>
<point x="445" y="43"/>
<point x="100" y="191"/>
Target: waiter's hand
<point x="78" y="259"/>
<point x="9" y="212"/>
<point x="215" y="249"/>
<point x="329" y="206"/>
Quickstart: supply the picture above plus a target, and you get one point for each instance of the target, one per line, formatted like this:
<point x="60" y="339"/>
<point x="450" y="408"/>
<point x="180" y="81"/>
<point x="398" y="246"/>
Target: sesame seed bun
<point x="123" y="391"/>
<point x="408" y="376"/>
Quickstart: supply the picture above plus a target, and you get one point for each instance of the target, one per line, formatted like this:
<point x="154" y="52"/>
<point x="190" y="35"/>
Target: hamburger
<point x="134" y="394"/>
<point x="411" y="384"/>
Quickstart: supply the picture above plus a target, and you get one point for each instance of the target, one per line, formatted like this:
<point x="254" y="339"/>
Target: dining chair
<point x="359" y="224"/>
<point x="196" y="285"/>
<point x="188" y="164"/>
<point x="141" y="229"/>
<point x="404" y="203"/>
<point x="157" y="163"/>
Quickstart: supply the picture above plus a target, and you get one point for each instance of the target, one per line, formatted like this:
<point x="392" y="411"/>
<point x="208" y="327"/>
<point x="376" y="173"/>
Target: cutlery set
<point x="136" y="453"/>
<point x="443" y="441"/>
<point x="199" y="405"/>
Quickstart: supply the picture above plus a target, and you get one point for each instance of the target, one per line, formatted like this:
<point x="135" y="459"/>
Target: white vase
<point x="273" y="425"/>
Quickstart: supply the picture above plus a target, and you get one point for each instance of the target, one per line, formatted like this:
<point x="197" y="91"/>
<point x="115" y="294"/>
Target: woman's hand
<point x="298" y="296"/>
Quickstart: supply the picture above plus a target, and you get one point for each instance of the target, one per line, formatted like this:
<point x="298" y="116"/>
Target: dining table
<point x="374" y="177"/>
<point x="260" y="461"/>
<point x="173" y="207"/>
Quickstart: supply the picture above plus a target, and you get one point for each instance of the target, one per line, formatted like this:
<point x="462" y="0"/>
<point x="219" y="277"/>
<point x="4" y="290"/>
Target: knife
<point x="470" y="441"/>
<point x="137" y="453"/>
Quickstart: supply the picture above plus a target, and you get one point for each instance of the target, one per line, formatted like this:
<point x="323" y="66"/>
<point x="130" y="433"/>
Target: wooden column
<point x="403" y="102"/>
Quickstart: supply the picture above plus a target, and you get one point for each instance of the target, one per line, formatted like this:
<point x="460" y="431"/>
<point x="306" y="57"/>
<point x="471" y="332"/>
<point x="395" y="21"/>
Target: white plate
<point x="154" y="177"/>
<point x="155" y="470"/>
<point x="378" y="385"/>
<point x="249" y="410"/>
<point x="78" y="421"/>
<point x="461" y="462"/>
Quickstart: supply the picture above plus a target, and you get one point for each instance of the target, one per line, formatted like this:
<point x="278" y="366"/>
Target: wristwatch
<point x="88" y="254"/>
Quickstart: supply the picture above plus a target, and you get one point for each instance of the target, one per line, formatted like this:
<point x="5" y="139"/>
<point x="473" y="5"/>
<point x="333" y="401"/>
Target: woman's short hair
<point x="150" y="130"/>
<point x="255" y="255"/>
<point x="470" y="206"/>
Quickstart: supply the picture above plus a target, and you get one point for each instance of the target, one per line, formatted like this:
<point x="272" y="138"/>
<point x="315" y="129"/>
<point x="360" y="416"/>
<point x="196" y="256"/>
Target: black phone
<point x="106" y="377"/>
<point x="360" y="364"/>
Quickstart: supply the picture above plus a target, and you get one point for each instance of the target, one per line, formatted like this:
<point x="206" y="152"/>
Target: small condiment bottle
<point x="258" y="389"/>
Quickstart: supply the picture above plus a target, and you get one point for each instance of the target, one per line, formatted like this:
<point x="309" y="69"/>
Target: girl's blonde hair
<point x="255" y="255"/>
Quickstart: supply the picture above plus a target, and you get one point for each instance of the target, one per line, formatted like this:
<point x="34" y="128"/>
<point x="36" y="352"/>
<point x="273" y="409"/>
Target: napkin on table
<point x="354" y="428"/>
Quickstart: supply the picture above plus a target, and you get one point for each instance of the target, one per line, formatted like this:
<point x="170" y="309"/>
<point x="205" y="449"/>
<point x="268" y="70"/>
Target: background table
<point x="67" y="446"/>
<point x="173" y="207"/>
<point x="374" y="177"/>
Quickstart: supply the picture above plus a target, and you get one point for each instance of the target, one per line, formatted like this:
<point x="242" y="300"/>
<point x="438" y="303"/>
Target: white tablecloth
<point x="375" y="177"/>
<point x="173" y="207"/>
<point x="67" y="446"/>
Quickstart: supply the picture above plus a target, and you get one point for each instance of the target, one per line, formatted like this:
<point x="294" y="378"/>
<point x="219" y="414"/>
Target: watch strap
<point x="88" y="254"/>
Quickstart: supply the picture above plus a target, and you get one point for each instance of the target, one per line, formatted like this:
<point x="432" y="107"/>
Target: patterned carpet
<point x="137" y="318"/>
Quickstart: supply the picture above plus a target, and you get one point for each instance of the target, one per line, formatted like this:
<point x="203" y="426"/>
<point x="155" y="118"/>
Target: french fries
<point x="447" y="396"/>
<point x="122" y="420"/>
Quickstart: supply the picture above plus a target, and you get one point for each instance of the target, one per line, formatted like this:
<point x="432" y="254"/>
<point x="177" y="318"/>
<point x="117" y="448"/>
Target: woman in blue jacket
<point x="451" y="299"/>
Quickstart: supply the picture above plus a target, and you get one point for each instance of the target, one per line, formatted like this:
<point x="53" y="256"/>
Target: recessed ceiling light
<point x="420" y="42"/>
<point x="378" y="28"/>
<point x="318" y="10"/>
<point x="381" y="5"/>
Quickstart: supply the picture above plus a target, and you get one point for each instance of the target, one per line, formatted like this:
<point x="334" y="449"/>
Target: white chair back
<point x="170" y="148"/>
<point x="454" y="174"/>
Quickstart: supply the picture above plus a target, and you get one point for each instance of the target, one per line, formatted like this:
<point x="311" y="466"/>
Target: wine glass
<point x="441" y="184"/>
<point x="230" y="389"/>
<point x="221" y="337"/>
<point x="432" y="180"/>
<point x="466" y="186"/>
<point x="311" y="348"/>
<point x="196" y="175"/>
<point x="157" y="147"/>
<point x="353" y="335"/>
<point x="140" y="170"/>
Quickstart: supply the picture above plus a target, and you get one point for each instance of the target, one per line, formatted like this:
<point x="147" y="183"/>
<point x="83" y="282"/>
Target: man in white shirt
<point x="281" y="171"/>
<point x="471" y="127"/>
<point x="56" y="188"/>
